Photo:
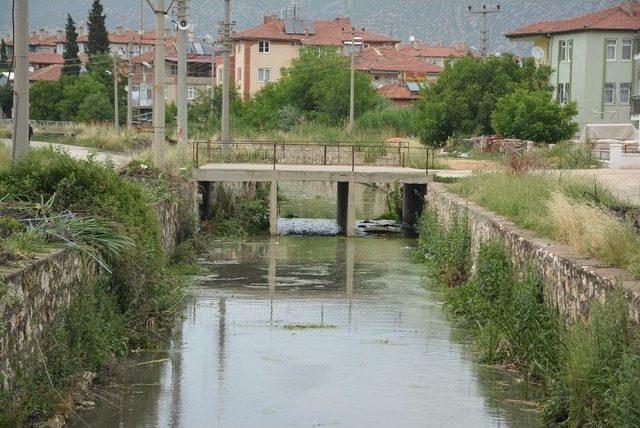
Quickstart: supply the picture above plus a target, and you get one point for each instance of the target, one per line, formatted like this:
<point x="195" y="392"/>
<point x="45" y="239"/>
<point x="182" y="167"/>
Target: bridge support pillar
<point x="346" y="215"/>
<point x="413" y="200"/>
<point x="273" y="209"/>
<point x="206" y="209"/>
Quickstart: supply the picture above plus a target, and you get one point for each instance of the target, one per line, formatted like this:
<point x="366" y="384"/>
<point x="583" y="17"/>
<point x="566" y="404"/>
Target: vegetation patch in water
<point x="307" y="326"/>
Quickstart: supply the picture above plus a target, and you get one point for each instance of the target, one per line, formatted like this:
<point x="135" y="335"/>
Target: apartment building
<point x="593" y="57"/>
<point x="263" y="51"/>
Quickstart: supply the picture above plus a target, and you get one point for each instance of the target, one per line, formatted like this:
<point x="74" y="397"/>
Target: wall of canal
<point x="573" y="282"/>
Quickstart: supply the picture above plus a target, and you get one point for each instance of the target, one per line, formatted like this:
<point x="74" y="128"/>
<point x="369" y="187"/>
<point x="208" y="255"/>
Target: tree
<point x="6" y="99"/>
<point x="317" y="85"/>
<point x="76" y="90"/>
<point x="94" y="108"/>
<point x="535" y="116"/>
<point x="44" y="100"/>
<point x="4" y="59"/>
<point x="463" y="99"/>
<point x="71" y="60"/>
<point x="98" y="34"/>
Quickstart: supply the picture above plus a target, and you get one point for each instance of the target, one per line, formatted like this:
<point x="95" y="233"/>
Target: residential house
<point x="199" y="74"/>
<point x="51" y="73"/>
<point x="397" y="74"/>
<point x="435" y="54"/>
<point x="593" y="60"/>
<point x="263" y="51"/>
<point x="121" y="41"/>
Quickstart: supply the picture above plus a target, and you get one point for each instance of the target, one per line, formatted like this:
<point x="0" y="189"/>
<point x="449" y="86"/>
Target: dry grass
<point x="105" y="138"/>
<point x="592" y="230"/>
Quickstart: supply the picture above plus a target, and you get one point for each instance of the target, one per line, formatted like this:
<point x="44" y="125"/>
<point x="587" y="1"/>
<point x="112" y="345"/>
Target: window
<point x="192" y="93"/>
<point x="166" y="93"/>
<point x="239" y="74"/>
<point x="612" y="48"/>
<point x="627" y="49"/>
<point x="566" y="50"/>
<point x="264" y="75"/>
<point x="264" y="46"/>
<point x="625" y="93"/>
<point x="564" y="92"/>
<point x="609" y="93"/>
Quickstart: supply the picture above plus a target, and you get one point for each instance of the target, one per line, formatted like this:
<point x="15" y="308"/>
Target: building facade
<point x="263" y="51"/>
<point x="593" y="58"/>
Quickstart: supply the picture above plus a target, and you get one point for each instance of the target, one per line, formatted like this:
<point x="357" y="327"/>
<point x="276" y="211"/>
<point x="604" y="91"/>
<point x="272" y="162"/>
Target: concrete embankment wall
<point x="31" y="296"/>
<point x="572" y="282"/>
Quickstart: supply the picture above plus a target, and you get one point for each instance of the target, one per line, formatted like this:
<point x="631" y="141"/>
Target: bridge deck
<point x="335" y="173"/>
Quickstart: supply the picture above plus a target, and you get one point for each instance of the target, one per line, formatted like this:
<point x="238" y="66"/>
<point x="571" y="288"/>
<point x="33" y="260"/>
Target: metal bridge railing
<point x="345" y="153"/>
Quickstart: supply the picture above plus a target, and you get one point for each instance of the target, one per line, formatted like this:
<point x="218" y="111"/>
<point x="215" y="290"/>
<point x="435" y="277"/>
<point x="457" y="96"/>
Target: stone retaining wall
<point x="32" y="296"/>
<point x="572" y="281"/>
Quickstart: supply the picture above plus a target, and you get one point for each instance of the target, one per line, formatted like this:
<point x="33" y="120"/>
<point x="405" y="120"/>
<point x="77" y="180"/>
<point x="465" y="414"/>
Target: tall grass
<point x="571" y="210"/>
<point x="401" y="122"/>
<point x="589" y="374"/>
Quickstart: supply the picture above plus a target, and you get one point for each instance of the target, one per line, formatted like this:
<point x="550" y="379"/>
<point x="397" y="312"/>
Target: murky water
<point x="384" y="355"/>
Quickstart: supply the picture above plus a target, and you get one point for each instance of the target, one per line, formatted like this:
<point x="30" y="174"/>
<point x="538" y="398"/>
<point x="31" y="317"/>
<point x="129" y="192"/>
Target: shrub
<point x="534" y="116"/>
<point x="445" y="250"/>
<point x="94" y="108"/>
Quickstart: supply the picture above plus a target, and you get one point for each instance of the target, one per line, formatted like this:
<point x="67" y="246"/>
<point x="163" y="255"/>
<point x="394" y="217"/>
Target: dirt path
<point x="118" y="159"/>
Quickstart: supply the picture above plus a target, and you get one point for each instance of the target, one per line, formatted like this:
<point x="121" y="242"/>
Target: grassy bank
<point x="588" y="374"/>
<point x="108" y="216"/>
<point x="574" y="211"/>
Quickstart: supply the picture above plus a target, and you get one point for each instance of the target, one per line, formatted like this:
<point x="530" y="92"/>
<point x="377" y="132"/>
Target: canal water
<point x="312" y="332"/>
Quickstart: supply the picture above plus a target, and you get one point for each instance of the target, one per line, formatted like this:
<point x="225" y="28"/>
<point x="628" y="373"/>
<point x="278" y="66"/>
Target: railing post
<point x="208" y="150"/>
<point x="353" y="158"/>
<point x="197" y="146"/>
<point x="399" y="151"/>
<point x="427" y="165"/>
<point x="275" y="147"/>
<point x="324" y="157"/>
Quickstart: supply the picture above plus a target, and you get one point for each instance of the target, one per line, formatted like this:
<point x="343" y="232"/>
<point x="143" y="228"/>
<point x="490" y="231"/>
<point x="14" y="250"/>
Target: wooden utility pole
<point x="484" y="39"/>
<point x="227" y="33"/>
<point x="20" y="141"/>
<point x="182" y="71"/>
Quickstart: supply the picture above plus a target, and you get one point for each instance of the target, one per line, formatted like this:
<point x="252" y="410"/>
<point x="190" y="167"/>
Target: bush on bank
<point x="587" y="373"/>
<point x="132" y="307"/>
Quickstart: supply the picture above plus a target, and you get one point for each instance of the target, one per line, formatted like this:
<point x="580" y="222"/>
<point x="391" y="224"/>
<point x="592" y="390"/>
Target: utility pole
<point x="20" y="142"/>
<point x="355" y="44"/>
<point x="158" y="145"/>
<point x="130" y="88"/>
<point x="116" y="104"/>
<point x="484" y="11"/>
<point x="182" y="71"/>
<point x="227" y="32"/>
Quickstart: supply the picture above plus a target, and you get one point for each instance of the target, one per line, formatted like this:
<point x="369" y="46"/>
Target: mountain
<point x="427" y="20"/>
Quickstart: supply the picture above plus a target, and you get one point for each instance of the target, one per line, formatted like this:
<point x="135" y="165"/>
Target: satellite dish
<point x="412" y="39"/>
<point x="537" y="53"/>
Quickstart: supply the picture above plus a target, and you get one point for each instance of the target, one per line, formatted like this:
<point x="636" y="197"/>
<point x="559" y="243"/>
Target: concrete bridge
<point x="317" y="162"/>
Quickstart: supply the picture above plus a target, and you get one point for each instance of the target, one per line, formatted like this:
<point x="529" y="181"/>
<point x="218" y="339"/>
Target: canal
<point x="312" y="332"/>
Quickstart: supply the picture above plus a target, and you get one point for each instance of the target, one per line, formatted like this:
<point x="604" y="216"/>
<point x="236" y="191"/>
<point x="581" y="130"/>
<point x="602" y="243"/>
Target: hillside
<point x="428" y="20"/>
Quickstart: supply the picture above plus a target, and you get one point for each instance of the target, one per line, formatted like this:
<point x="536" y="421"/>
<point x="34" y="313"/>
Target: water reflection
<point x="388" y="359"/>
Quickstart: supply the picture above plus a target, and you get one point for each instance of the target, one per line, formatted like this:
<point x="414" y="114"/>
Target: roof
<point x="390" y="59"/>
<point x="171" y="56"/>
<point x="45" y="58"/>
<point x="120" y="36"/>
<point x="624" y="17"/>
<point x="50" y="73"/>
<point x="425" y="50"/>
<point x="326" y="33"/>
<point x="398" y="92"/>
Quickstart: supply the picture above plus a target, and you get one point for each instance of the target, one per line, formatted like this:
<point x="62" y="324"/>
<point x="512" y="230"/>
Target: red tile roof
<point x="425" y="50"/>
<point x="123" y="36"/>
<point x="171" y="55"/>
<point x="390" y="59"/>
<point x="51" y="73"/>
<point x="398" y="92"/>
<point x="45" y="58"/>
<point x="327" y="33"/>
<point x="624" y="17"/>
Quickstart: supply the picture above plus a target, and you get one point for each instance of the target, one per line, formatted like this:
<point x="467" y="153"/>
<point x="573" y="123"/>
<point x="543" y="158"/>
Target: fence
<point x="346" y="153"/>
<point x="46" y="126"/>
